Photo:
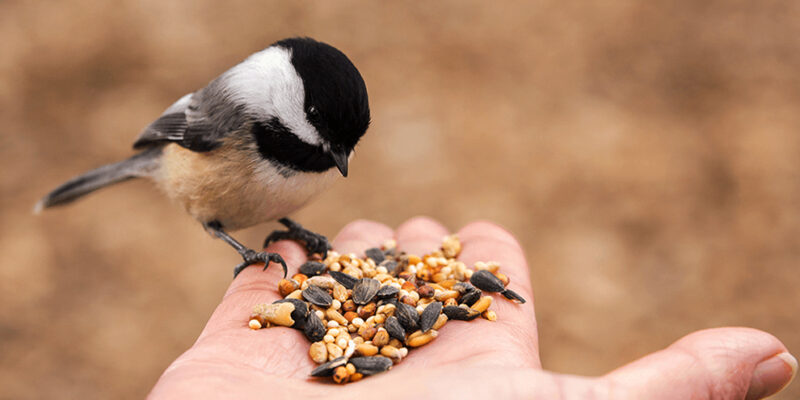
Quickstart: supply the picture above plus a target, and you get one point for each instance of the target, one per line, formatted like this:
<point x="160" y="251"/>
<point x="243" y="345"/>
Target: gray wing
<point x="193" y="122"/>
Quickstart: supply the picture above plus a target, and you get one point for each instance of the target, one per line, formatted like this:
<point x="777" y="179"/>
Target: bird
<point x="254" y="145"/>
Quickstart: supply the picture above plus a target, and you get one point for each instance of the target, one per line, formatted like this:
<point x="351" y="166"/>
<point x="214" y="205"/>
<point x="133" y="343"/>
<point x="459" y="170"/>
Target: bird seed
<point x="365" y="314"/>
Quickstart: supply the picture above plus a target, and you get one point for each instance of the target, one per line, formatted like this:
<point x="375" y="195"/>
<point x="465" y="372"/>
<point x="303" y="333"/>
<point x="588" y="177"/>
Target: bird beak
<point x="340" y="158"/>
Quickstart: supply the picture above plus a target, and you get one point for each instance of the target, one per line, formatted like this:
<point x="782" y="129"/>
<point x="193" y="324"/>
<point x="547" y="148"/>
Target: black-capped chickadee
<point x="254" y="145"/>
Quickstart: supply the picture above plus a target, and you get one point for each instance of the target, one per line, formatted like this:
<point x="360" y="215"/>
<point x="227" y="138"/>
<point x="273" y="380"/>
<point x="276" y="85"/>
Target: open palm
<point x="479" y="359"/>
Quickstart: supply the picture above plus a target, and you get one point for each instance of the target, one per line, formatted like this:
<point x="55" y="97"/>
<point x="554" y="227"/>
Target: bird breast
<point x="234" y="186"/>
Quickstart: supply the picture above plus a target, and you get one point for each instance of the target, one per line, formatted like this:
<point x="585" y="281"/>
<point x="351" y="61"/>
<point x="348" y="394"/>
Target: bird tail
<point x="141" y="164"/>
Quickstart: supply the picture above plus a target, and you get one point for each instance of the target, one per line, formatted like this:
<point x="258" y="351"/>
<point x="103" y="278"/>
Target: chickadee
<point x="254" y="145"/>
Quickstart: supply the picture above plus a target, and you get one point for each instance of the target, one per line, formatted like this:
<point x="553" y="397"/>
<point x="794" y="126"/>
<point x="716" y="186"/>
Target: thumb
<point x="723" y="363"/>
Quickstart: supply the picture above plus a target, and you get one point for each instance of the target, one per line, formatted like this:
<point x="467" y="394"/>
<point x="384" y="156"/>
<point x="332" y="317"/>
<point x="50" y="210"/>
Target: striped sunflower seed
<point x="344" y="279"/>
<point x="371" y="365"/>
<point x="392" y="267"/>
<point x="312" y="268"/>
<point x="463" y="287"/>
<point x="376" y="255"/>
<point x="486" y="281"/>
<point x="365" y="290"/>
<point x="407" y="316"/>
<point x="512" y="295"/>
<point x="314" y="328"/>
<point x="328" y="368"/>
<point x="469" y="298"/>
<point x="429" y="316"/>
<point x="318" y="296"/>
<point x="394" y="328"/>
<point x="387" y="291"/>
<point x="460" y="313"/>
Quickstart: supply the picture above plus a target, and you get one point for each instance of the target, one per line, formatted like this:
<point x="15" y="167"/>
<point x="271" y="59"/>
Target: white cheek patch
<point x="268" y="85"/>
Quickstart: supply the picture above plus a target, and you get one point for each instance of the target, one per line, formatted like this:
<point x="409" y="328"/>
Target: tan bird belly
<point x="236" y="188"/>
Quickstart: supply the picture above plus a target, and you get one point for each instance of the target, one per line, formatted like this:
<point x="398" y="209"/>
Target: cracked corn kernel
<point x="422" y="339"/>
<point x="482" y="304"/>
<point x="318" y="352"/>
<point x="334" y="351"/>
<point x="356" y="377"/>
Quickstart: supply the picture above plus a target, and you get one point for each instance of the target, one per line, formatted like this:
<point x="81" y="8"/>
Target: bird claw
<point x="314" y="242"/>
<point x="252" y="257"/>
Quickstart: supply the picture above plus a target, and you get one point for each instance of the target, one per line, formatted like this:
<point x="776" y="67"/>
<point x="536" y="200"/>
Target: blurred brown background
<point x="646" y="154"/>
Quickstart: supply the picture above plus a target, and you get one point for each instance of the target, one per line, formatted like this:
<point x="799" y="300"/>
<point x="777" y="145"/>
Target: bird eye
<point x="312" y="112"/>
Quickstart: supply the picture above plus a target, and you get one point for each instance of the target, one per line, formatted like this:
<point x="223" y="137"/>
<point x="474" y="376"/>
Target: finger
<point x="508" y="342"/>
<point x="361" y="235"/>
<point x="420" y="235"/>
<point x="724" y="363"/>
<point x="228" y="323"/>
<point x="473" y="382"/>
<point x="227" y="338"/>
<point x="485" y="241"/>
<point x="254" y="285"/>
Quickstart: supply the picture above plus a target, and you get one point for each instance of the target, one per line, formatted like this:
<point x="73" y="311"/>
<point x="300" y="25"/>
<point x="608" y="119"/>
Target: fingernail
<point x="771" y="376"/>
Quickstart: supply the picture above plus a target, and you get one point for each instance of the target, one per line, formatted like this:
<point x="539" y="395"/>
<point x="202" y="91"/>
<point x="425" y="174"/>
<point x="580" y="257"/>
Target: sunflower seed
<point x="375" y="254"/>
<point x="312" y="268"/>
<point x="463" y="287"/>
<point x="371" y="365"/>
<point x="387" y="291"/>
<point x="429" y="316"/>
<point x="365" y="290"/>
<point x="344" y="279"/>
<point x="460" y="313"/>
<point x="484" y="280"/>
<point x="402" y="263"/>
<point x="317" y="296"/>
<point x="512" y="295"/>
<point x="328" y="368"/>
<point x="407" y="316"/>
<point x="300" y="312"/>
<point x="314" y="328"/>
<point x="469" y="298"/>
<point x="391" y="267"/>
<point x="394" y="328"/>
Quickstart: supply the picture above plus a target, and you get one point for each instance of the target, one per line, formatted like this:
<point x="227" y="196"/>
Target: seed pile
<point x="365" y="315"/>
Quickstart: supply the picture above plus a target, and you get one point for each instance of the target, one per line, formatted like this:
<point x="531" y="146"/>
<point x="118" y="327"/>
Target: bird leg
<point x="314" y="242"/>
<point x="250" y="256"/>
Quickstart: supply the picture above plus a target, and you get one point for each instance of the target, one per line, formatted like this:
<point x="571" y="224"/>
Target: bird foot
<point x="252" y="257"/>
<point x="314" y="242"/>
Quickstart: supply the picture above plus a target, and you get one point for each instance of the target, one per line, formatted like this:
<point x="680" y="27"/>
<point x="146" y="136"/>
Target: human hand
<point x="481" y="359"/>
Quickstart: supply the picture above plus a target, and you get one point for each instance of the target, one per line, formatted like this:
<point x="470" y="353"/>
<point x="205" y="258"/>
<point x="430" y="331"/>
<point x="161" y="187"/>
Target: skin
<point x="469" y="360"/>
